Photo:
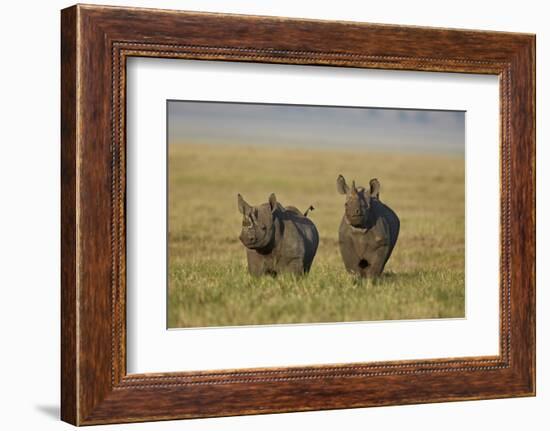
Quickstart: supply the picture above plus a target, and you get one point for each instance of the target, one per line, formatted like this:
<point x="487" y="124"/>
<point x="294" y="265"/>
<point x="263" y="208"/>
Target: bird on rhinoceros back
<point x="368" y="230"/>
<point x="277" y="239"/>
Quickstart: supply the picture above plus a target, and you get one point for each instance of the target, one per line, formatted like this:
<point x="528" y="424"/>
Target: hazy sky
<point x="317" y="126"/>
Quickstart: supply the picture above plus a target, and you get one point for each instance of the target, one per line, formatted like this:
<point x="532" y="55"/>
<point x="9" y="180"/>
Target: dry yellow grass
<point x="208" y="282"/>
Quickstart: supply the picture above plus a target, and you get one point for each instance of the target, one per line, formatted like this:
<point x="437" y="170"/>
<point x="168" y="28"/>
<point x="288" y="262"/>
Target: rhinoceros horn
<point x="353" y="188"/>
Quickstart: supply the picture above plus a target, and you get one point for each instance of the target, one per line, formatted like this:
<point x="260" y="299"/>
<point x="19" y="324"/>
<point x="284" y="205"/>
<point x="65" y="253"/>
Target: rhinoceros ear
<point x="243" y="206"/>
<point x="273" y="202"/>
<point x="374" y="188"/>
<point x="341" y="185"/>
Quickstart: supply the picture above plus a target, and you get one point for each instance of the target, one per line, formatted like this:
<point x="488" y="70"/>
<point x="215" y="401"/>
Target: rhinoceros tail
<point x="308" y="210"/>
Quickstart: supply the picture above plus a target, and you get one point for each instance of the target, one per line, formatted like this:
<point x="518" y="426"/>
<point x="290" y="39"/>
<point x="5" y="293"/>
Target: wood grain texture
<point x="96" y="41"/>
<point x="69" y="366"/>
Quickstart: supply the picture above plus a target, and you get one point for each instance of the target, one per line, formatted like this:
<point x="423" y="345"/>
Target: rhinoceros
<point x="277" y="239"/>
<point x="368" y="230"/>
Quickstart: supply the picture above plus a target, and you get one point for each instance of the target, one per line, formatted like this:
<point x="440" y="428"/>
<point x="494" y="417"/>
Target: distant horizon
<point x="323" y="127"/>
<point x="357" y="150"/>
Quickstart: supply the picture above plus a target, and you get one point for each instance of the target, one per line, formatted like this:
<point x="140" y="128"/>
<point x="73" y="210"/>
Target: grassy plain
<point x="208" y="280"/>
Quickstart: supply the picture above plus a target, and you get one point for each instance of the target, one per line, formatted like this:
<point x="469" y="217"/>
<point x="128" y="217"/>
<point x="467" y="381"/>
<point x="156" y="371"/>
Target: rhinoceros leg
<point x="292" y="265"/>
<point x="256" y="264"/>
<point x="377" y="261"/>
<point x="350" y="258"/>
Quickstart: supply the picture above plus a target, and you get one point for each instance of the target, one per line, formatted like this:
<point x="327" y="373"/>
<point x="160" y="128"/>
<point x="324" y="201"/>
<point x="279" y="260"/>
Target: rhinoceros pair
<point x="281" y="239"/>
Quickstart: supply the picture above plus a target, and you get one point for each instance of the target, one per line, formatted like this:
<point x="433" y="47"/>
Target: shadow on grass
<point x="390" y="278"/>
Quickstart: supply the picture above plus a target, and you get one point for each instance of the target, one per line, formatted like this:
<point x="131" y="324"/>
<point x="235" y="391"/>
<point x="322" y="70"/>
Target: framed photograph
<point x="264" y="214"/>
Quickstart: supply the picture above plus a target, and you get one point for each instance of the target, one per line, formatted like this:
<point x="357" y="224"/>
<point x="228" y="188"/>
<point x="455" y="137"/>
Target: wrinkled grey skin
<point x="368" y="231"/>
<point x="277" y="239"/>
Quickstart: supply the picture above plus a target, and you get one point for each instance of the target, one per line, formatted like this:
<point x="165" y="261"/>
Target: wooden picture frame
<point x="95" y="43"/>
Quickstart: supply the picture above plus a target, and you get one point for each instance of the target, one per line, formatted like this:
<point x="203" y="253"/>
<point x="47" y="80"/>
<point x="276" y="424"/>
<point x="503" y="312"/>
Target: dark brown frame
<point x="95" y="43"/>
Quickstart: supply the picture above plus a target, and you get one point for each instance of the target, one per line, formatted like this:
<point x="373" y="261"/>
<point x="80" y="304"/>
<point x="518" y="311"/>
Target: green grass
<point x="208" y="281"/>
